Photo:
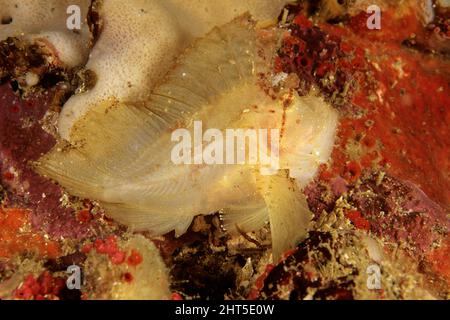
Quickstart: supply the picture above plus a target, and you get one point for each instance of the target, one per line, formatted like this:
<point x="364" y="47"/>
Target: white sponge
<point x="137" y="45"/>
<point x="45" y="21"/>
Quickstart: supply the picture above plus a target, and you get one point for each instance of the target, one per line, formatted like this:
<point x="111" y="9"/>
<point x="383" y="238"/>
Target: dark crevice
<point x="6" y="20"/>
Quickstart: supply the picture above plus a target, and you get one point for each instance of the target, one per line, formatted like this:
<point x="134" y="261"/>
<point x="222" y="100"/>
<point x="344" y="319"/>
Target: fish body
<point x="121" y="152"/>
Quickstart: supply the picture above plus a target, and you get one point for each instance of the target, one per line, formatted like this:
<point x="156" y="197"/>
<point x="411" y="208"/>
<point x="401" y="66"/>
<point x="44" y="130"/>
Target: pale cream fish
<point x="120" y="151"/>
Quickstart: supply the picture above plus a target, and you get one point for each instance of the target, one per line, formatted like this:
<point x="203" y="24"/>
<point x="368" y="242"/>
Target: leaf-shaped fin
<point x="246" y="218"/>
<point x="148" y="219"/>
<point x="288" y="211"/>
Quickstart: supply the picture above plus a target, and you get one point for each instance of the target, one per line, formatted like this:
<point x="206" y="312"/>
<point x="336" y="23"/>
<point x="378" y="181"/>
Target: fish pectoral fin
<point x="245" y="218"/>
<point x="153" y="220"/>
<point x="288" y="210"/>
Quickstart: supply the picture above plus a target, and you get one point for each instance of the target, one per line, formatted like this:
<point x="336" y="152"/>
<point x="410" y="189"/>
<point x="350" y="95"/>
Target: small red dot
<point x="128" y="277"/>
<point x="176" y="296"/>
<point x="14" y="109"/>
<point x="117" y="257"/>
<point x="135" y="258"/>
<point x="8" y="176"/>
